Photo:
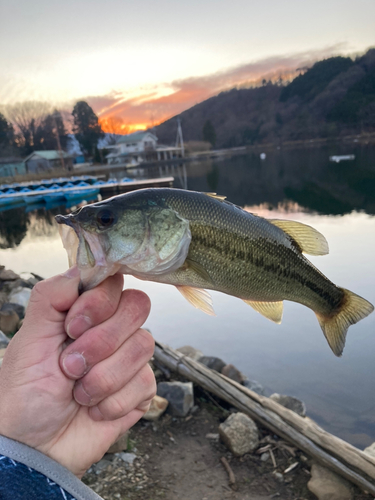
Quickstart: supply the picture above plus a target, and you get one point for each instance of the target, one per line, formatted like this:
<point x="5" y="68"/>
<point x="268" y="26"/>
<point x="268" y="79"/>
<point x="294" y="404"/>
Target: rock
<point x="157" y="408"/>
<point x="180" y="396"/>
<point x="216" y="364"/>
<point x="254" y="386"/>
<point x="11" y="306"/>
<point x="128" y="458"/>
<point x="233" y="373"/>
<point x="278" y="476"/>
<point x="264" y="457"/>
<point x="240" y="434"/>
<point x="8" y="275"/>
<point x="4" y="340"/>
<point x="370" y="450"/>
<point x="20" y="296"/>
<point x="327" y="485"/>
<point x="212" y="437"/>
<point x="193" y="353"/>
<point x="3" y="298"/>
<point x="101" y="466"/>
<point x="291" y="403"/>
<point x="18" y="283"/>
<point x="120" y="445"/>
<point x="9" y="322"/>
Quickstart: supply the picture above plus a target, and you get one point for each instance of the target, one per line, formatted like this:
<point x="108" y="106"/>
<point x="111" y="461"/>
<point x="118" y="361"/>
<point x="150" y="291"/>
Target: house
<point x="39" y="161"/>
<point x="9" y="167"/>
<point x="138" y="147"/>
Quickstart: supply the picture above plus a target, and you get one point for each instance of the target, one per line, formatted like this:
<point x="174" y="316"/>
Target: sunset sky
<point x="138" y="63"/>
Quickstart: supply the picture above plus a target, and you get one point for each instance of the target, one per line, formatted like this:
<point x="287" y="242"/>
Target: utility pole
<point x="179" y="138"/>
<point x="58" y="142"/>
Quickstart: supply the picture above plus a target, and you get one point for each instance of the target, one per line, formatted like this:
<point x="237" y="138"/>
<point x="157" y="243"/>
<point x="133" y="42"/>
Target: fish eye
<point x="105" y="218"/>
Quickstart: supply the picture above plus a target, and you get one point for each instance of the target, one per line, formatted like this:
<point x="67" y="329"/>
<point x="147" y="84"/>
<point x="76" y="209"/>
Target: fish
<point x="200" y="241"/>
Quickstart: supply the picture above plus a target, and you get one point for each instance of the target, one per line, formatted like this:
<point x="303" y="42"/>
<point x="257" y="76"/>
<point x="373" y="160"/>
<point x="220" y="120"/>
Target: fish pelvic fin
<point x="353" y="308"/>
<point x="270" y="310"/>
<point x="198" y="298"/>
<point x="308" y="239"/>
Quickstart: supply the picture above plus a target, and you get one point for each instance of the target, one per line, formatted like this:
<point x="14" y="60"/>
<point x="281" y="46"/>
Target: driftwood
<point x="331" y="451"/>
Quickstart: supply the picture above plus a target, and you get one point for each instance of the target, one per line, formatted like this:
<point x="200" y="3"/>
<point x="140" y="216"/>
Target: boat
<point x="71" y="194"/>
<point x="338" y="158"/>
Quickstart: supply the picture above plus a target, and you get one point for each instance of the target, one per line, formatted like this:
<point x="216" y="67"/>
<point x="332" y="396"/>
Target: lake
<point x="292" y="358"/>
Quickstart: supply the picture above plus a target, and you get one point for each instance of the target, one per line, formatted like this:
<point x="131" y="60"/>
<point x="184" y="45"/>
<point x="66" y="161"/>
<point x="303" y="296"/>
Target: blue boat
<point x="33" y="198"/>
<point x="81" y="193"/>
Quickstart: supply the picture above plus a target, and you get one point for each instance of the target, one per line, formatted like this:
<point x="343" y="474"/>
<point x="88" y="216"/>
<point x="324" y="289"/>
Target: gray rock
<point x="327" y="485"/>
<point x="20" y="296"/>
<point x="101" y="466"/>
<point x="3" y="298"/>
<point x="370" y="450"/>
<point x="9" y="322"/>
<point x="233" y="373"/>
<point x="11" y="306"/>
<point x="8" y="275"/>
<point x="264" y="457"/>
<point x="254" y="386"/>
<point x="240" y="434"/>
<point x="188" y="350"/>
<point x="278" y="476"/>
<point x="128" y="458"/>
<point x="216" y="364"/>
<point x="180" y="396"/>
<point x="18" y="283"/>
<point x="291" y="403"/>
<point x="4" y="340"/>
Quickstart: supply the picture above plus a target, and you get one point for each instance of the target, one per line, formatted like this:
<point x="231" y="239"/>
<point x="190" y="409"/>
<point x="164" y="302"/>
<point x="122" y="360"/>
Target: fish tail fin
<point x="352" y="309"/>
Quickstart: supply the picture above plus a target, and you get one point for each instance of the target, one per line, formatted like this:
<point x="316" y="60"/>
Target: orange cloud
<point x="118" y="114"/>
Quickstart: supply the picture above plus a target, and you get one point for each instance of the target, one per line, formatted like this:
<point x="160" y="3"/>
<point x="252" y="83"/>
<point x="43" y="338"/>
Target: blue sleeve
<point x="18" y="482"/>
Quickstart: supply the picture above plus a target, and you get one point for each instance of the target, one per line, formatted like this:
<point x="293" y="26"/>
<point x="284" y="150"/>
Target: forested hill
<point x="334" y="97"/>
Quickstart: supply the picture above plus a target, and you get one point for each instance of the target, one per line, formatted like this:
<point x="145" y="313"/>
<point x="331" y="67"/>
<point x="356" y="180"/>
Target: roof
<point x="48" y="155"/>
<point x="135" y="137"/>
<point x="10" y="160"/>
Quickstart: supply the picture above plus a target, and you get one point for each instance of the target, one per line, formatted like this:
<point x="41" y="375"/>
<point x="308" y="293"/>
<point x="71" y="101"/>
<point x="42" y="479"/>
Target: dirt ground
<point x="177" y="460"/>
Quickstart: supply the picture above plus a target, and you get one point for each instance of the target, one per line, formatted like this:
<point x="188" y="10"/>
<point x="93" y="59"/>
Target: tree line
<point x="34" y="126"/>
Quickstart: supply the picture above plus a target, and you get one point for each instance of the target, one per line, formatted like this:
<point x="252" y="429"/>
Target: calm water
<point x="291" y="358"/>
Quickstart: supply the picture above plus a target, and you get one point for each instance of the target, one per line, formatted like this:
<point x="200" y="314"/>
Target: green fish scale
<point x="245" y="255"/>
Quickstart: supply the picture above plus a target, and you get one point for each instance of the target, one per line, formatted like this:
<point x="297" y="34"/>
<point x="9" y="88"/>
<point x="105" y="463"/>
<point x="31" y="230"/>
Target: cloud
<point x="153" y="106"/>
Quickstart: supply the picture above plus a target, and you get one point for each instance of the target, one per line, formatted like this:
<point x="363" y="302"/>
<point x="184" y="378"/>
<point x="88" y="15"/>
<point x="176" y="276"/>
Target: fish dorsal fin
<point x="308" y="239"/>
<point x="270" y="310"/>
<point x="216" y="196"/>
<point x="198" y="298"/>
<point x="198" y="269"/>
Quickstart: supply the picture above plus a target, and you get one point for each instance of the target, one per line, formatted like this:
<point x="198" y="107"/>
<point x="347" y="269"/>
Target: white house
<point x="138" y="147"/>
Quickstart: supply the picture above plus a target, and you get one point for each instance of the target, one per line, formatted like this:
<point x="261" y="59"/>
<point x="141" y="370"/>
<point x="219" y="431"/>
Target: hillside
<point x="334" y="97"/>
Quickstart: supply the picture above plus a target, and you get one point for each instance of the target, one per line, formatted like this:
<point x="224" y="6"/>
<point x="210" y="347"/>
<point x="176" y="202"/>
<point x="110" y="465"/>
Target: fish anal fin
<point x="216" y="196"/>
<point x="198" y="298"/>
<point x="308" y="239"/>
<point x="335" y="326"/>
<point x="197" y="268"/>
<point x="270" y="310"/>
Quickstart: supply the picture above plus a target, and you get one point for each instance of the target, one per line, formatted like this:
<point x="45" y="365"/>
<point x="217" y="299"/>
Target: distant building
<point x="39" y="161"/>
<point x="9" y="167"/>
<point x="138" y="147"/>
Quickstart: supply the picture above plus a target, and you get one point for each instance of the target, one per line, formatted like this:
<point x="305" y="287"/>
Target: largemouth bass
<point x="199" y="241"/>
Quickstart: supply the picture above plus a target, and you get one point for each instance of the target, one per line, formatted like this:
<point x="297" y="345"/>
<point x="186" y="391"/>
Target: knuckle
<point x="143" y="344"/>
<point x="113" y="408"/>
<point x="101" y="383"/>
<point x="39" y="291"/>
<point x="103" y="300"/>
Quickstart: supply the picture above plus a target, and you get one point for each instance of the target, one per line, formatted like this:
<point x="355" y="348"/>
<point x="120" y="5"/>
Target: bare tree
<point x="27" y="117"/>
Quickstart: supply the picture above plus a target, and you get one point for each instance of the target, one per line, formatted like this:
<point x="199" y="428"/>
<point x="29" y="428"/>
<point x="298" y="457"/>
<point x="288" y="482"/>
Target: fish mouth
<point x="89" y="242"/>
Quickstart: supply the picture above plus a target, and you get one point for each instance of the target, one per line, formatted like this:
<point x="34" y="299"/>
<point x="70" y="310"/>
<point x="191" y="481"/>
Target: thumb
<point x="51" y="299"/>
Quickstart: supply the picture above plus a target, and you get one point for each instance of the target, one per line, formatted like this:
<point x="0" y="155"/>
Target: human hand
<point x="72" y="399"/>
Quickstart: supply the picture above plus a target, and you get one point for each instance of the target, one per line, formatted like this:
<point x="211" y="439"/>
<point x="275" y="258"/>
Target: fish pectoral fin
<point x="270" y="310"/>
<point x="198" y="269"/>
<point x="198" y="298"/>
<point x="216" y="196"/>
<point x="308" y="239"/>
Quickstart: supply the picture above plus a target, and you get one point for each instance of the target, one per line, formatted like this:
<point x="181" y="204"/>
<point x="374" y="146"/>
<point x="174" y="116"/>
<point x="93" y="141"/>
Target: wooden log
<point x="331" y="451"/>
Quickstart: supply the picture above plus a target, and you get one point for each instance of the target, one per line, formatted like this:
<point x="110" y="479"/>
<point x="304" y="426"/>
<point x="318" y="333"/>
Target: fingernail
<point x="78" y="325"/>
<point x="72" y="272"/>
<point x="96" y="414"/>
<point x="80" y="395"/>
<point x="75" y="365"/>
